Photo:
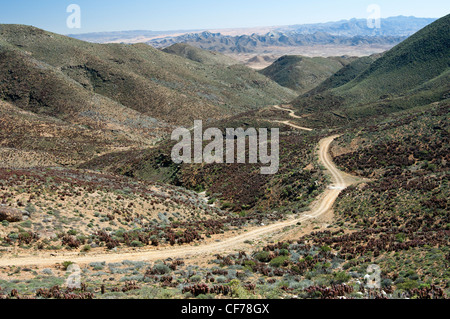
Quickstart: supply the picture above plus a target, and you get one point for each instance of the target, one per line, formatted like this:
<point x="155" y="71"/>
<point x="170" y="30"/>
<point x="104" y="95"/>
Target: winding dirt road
<point x="323" y="204"/>
<point x="291" y="114"/>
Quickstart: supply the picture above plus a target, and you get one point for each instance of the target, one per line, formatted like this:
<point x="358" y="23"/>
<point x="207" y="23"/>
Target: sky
<point x="119" y="15"/>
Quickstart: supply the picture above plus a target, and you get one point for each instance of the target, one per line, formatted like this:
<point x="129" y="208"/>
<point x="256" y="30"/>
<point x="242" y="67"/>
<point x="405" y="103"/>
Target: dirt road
<point x="294" y="126"/>
<point x="291" y="112"/>
<point x="323" y="204"/>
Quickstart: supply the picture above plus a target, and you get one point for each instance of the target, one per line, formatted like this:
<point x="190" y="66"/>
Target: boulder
<point x="10" y="214"/>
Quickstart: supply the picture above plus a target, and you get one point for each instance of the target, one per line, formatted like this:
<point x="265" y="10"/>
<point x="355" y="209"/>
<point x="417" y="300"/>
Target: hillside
<point x="239" y="188"/>
<point x="302" y="73"/>
<point x="415" y="72"/>
<point x="401" y="216"/>
<point x="35" y="140"/>
<point x="64" y="73"/>
<point x="345" y="74"/>
<point x="88" y="179"/>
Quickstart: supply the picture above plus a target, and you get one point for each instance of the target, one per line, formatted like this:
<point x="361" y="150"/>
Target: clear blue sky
<point x="119" y="15"/>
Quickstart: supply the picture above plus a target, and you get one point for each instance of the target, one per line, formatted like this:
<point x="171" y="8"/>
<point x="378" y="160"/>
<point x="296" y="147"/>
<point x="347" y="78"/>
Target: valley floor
<point x="340" y="181"/>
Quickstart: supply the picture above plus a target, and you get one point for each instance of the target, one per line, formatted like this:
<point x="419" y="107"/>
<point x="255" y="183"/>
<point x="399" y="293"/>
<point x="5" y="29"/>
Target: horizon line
<point x="233" y="28"/>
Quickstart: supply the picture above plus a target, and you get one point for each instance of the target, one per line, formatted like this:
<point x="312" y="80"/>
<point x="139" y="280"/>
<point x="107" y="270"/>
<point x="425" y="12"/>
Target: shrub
<point x="66" y="264"/>
<point x="161" y="269"/>
<point x="97" y="265"/>
<point x="386" y="283"/>
<point x="340" y="277"/>
<point x="221" y="280"/>
<point x="226" y="206"/>
<point x="86" y="248"/>
<point x="278" y="261"/>
<point x="408" y="285"/>
<point x="263" y="256"/>
<point x="136" y="243"/>
<point x="250" y="264"/>
<point x="325" y="249"/>
<point x="47" y="271"/>
<point x="237" y="290"/>
<point x="30" y="208"/>
<point x="284" y="252"/>
<point x="26" y="224"/>
<point x="196" y="278"/>
<point x="400" y="237"/>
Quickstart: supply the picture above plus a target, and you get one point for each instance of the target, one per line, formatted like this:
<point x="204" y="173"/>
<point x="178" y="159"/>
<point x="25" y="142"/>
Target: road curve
<point x="325" y="203"/>
<point x="291" y="112"/>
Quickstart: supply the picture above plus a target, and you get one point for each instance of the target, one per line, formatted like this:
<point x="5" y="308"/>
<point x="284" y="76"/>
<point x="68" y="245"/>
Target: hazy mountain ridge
<point x="399" y="26"/>
<point x="250" y="43"/>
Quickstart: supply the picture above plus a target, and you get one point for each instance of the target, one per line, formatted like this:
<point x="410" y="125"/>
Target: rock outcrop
<point x="10" y="214"/>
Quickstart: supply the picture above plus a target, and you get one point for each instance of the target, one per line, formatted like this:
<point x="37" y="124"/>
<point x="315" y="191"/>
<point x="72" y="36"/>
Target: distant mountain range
<point x="354" y="32"/>
<point x="251" y="43"/>
<point x="400" y="26"/>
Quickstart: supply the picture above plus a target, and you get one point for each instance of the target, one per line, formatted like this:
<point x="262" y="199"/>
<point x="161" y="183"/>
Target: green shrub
<point x="161" y="269"/>
<point x="237" y="290"/>
<point x="86" y="248"/>
<point x="26" y="224"/>
<point x="249" y="264"/>
<point x="325" y="249"/>
<point x="66" y="264"/>
<point x="278" y="261"/>
<point x="340" y="277"/>
<point x="408" y="284"/>
<point x="400" y="237"/>
<point x="30" y="208"/>
<point x="136" y="243"/>
<point x="195" y="278"/>
<point x="72" y="232"/>
<point x="263" y="256"/>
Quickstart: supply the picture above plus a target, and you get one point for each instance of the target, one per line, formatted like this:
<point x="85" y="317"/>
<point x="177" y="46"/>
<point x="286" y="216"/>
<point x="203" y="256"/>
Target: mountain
<point x="133" y="36"/>
<point x="415" y="72"/>
<point x="400" y="26"/>
<point x="199" y="55"/>
<point x="137" y="77"/>
<point x="346" y="73"/>
<point x="354" y="32"/>
<point x="259" y="62"/>
<point x="303" y="73"/>
<point x="123" y="96"/>
<point x="255" y="42"/>
<point x="393" y="26"/>
<point x="87" y="177"/>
